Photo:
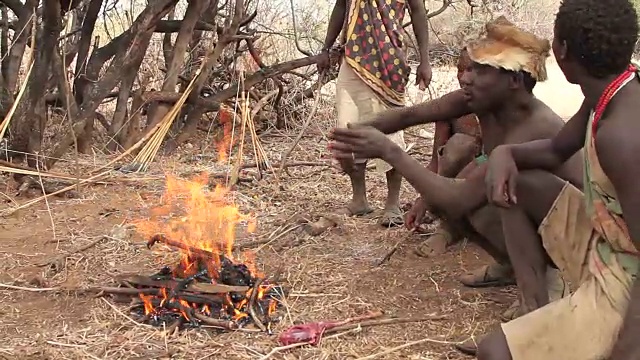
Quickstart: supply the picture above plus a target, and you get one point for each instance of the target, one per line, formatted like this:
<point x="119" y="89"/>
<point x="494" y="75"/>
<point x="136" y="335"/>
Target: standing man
<point x="373" y="77"/>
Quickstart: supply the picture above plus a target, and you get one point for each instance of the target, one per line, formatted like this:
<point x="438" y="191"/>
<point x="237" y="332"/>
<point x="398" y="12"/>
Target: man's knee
<point x="494" y="347"/>
<point x="486" y="219"/>
<point x="456" y="154"/>
<point x="537" y="190"/>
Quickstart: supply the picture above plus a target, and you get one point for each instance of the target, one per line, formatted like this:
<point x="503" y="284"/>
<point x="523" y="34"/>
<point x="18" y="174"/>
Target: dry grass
<point x="332" y="276"/>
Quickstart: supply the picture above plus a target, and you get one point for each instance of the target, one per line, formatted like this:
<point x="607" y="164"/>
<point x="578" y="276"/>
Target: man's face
<point x="463" y="63"/>
<point x="485" y="87"/>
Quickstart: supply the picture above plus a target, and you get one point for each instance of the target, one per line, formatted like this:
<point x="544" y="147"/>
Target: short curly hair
<point x="600" y="34"/>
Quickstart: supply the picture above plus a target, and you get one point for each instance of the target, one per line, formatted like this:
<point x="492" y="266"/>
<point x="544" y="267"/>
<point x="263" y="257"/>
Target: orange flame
<point x="198" y="218"/>
<point x="202" y="219"/>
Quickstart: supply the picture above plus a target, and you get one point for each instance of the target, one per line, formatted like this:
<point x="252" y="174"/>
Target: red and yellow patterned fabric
<point x="373" y="46"/>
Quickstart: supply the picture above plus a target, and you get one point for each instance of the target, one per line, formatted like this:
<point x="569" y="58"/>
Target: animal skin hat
<point x="506" y="46"/>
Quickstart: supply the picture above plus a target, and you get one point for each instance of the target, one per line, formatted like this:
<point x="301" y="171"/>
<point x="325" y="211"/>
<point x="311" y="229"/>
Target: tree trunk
<point x="125" y="47"/>
<point x="194" y="11"/>
<point x="22" y="34"/>
<point x="30" y="115"/>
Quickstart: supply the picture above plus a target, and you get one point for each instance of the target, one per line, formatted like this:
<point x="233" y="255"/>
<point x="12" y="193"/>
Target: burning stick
<point x="159" y="238"/>
<point x="252" y="305"/>
<point x="206" y="288"/>
<point x="224" y="324"/>
<point x="194" y="298"/>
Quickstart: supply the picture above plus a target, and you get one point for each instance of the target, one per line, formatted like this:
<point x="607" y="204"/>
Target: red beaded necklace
<point x="608" y="94"/>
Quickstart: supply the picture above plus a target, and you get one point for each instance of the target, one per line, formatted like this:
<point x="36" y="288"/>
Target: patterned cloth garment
<point x="373" y="46"/>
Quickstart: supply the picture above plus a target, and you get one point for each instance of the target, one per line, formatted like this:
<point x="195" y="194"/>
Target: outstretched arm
<point x="447" y="107"/>
<point x="454" y="197"/>
<point x="617" y="146"/>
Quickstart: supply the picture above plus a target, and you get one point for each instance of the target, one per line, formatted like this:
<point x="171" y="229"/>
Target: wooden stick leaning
<point x="283" y="161"/>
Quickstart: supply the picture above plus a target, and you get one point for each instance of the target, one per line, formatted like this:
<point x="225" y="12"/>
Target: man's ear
<point x="561" y="53"/>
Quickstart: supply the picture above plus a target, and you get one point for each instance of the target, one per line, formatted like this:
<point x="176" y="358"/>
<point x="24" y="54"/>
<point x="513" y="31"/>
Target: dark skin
<point x="420" y="25"/>
<point x="443" y="132"/>
<point x="510" y="178"/>
<point x="359" y="204"/>
<point x="508" y="113"/>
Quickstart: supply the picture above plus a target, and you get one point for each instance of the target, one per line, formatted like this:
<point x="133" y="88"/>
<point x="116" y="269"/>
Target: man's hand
<point x="423" y="75"/>
<point x="359" y="142"/>
<point x="501" y="177"/>
<point x="324" y="61"/>
<point x="413" y="218"/>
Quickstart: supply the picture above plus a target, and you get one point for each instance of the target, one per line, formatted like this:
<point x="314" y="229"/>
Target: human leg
<point x="538" y="193"/>
<point x="347" y="86"/>
<point x="392" y="215"/>
<point x="486" y="232"/>
<point x="452" y="158"/>
<point x="583" y="326"/>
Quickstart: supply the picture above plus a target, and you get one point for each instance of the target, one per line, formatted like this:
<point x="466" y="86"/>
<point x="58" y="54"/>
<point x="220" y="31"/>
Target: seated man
<point x="455" y="144"/>
<point x="497" y="87"/>
<point x="593" y="236"/>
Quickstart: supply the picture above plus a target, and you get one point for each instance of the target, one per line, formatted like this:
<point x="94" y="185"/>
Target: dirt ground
<point x="331" y="276"/>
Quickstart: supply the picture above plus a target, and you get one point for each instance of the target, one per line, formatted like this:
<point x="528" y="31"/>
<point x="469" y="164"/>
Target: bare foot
<point x="494" y="275"/>
<point x="356" y="208"/>
<point x="391" y="217"/>
<point x="435" y="244"/>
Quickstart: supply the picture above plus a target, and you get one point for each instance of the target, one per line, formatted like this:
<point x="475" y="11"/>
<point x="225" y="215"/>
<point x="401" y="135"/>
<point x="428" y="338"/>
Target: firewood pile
<point x="204" y="289"/>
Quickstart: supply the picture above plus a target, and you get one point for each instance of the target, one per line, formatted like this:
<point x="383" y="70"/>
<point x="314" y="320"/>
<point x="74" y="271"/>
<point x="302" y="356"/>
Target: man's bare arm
<point x="618" y="147"/>
<point x="447" y="107"/>
<point x="454" y="197"/>
<point x="420" y="27"/>
<point x="549" y="154"/>
<point x="336" y="22"/>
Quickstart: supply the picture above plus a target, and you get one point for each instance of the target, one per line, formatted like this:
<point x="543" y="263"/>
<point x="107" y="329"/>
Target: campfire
<point x="208" y="285"/>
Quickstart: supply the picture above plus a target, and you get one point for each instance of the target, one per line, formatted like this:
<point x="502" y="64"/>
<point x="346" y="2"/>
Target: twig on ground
<point x="59" y="259"/>
<point x="391" y="321"/>
<point x="395" y="248"/>
<point x="125" y="315"/>
<point x="403" y="346"/>
<point x="13" y="287"/>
